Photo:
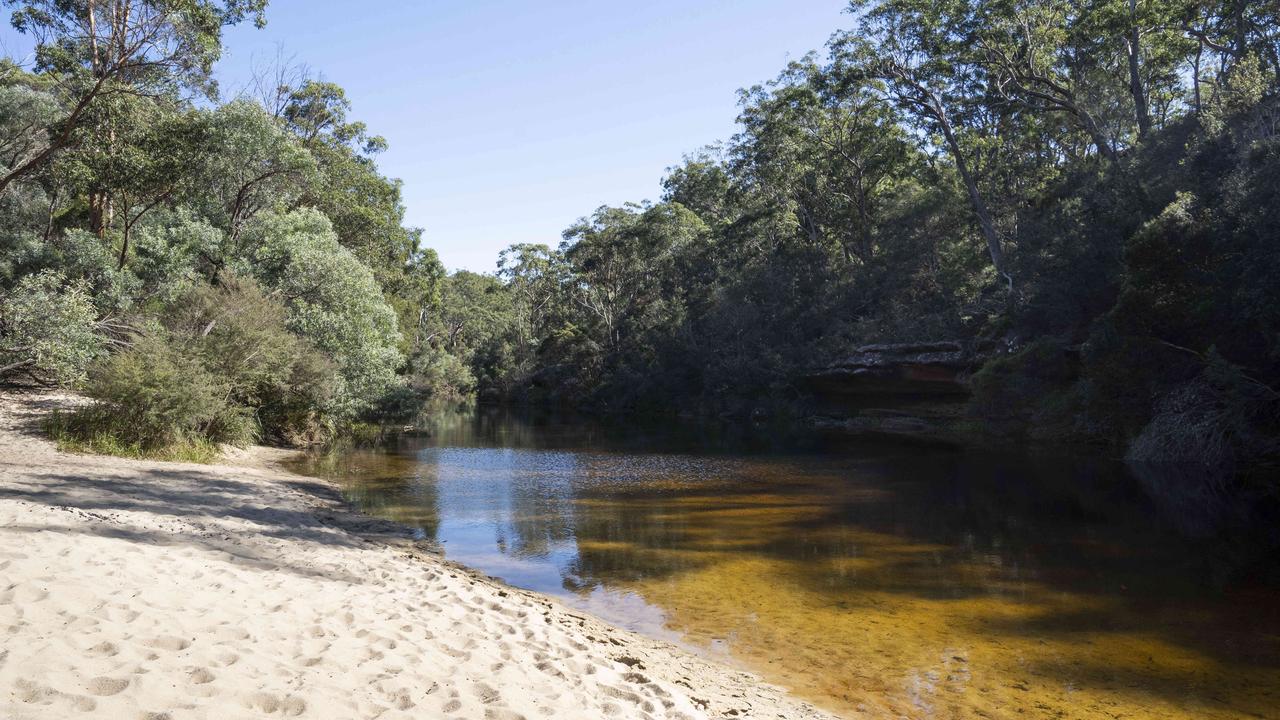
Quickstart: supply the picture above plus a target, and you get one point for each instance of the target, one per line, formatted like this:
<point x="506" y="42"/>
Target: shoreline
<point x="167" y="590"/>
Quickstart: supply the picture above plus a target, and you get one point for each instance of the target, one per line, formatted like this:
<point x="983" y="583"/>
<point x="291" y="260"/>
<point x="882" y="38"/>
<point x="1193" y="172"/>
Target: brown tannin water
<point x="886" y="580"/>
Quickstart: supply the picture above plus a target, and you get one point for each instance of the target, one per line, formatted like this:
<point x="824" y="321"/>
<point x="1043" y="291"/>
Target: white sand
<point x="155" y="590"/>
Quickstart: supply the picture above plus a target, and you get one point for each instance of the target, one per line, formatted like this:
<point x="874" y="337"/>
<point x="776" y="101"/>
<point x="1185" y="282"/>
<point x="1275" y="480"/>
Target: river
<point x="868" y="578"/>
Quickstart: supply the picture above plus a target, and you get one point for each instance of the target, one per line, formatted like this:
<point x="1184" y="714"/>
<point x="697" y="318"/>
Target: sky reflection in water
<point x="888" y="579"/>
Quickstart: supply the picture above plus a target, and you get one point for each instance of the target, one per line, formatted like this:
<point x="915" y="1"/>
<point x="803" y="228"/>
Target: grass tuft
<point x="82" y="431"/>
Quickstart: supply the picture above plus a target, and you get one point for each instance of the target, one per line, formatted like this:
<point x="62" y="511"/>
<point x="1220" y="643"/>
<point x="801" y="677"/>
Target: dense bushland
<point x="206" y="272"/>
<point x="1090" y="186"/>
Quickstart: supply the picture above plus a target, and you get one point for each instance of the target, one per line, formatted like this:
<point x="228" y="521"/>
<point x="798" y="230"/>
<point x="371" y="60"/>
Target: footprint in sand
<point x="77" y="702"/>
<point x="106" y="686"/>
<point x="103" y="649"/>
<point x="170" y="643"/>
<point x="200" y="676"/>
<point x="84" y="623"/>
<point x="549" y="669"/>
<point x="401" y="701"/>
<point x="226" y="659"/>
<point x="288" y="706"/>
<point x="486" y="694"/>
<point x="460" y="655"/>
<point x="117" y="613"/>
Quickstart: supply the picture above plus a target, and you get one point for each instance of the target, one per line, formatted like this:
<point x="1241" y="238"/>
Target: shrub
<point x="220" y="368"/>
<point x="333" y="302"/>
<point x="82" y="431"/>
<point x="1029" y="391"/>
<point x="237" y="334"/>
<point x="1218" y="421"/>
<point x="47" y="329"/>
<point x="153" y="396"/>
<point x="240" y="335"/>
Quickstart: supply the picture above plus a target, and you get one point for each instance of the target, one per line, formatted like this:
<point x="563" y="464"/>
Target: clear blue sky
<point x="509" y="119"/>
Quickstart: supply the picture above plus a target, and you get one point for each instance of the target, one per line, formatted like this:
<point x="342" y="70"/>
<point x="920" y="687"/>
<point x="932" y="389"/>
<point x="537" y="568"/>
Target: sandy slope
<point x="155" y="590"/>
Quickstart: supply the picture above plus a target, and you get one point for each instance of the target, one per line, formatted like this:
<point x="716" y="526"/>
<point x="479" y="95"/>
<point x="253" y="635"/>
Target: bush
<point x="47" y="329"/>
<point x="153" y="396"/>
<point x="220" y="368"/>
<point x="333" y="302"/>
<point x="239" y="335"/>
<point x="1219" y="421"/>
<point x="1030" y="391"/>
<point x="87" y="432"/>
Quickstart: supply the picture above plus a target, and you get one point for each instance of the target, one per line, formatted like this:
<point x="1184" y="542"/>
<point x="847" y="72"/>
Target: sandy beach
<point x="148" y="590"/>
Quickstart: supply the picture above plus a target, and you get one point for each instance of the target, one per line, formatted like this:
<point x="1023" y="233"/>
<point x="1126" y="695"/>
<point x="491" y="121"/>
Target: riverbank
<point x="164" y="590"/>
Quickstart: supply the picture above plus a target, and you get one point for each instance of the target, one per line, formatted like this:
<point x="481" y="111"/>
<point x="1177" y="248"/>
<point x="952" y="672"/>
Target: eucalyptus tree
<point x="333" y="302"/>
<point x="1226" y="33"/>
<point x="417" y="296"/>
<point x="623" y="260"/>
<point x="538" y="278"/>
<point x="704" y="185"/>
<point x="607" y="269"/>
<point x="132" y="156"/>
<point x="98" y="48"/>
<point x="366" y="209"/>
<point x="828" y="151"/>
<point x="922" y="56"/>
<point x="251" y="164"/>
<point x="1037" y="56"/>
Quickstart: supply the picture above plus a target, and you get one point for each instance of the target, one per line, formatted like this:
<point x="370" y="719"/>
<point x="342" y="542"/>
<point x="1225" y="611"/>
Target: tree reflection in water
<point x="919" y="583"/>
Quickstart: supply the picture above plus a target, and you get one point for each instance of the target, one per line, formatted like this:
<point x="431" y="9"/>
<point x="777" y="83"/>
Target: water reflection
<point x="884" y="579"/>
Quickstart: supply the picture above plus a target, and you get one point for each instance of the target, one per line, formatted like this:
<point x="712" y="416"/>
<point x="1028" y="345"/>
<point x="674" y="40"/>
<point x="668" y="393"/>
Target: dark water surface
<point x="892" y="580"/>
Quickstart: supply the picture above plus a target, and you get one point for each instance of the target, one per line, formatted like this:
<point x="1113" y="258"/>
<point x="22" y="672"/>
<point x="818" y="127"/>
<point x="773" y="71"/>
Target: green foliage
<point x="221" y="367"/>
<point x="364" y="207"/>
<point x="1031" y="392"/>
<point x="1195" y="320"/>
<point x="83" y="432"/>
<point x="252" y="164"/>
<point x="239" y="335"/>
<point x="147" y="220"/>
<point x="26" y="114"/>
<point x="47" y="329"/>
<point x="1095" y="187"/>
<point x="92" y="55"/>
<point x="171" y="253"/>
<point x="477" y="326"/>
<point x="156" y="395"/>
<point x="333" y="301"/>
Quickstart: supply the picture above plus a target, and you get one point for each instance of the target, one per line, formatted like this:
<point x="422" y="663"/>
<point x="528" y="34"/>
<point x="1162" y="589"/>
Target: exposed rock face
<point x="908" y="369"/>
<point x="905" y="391"/>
